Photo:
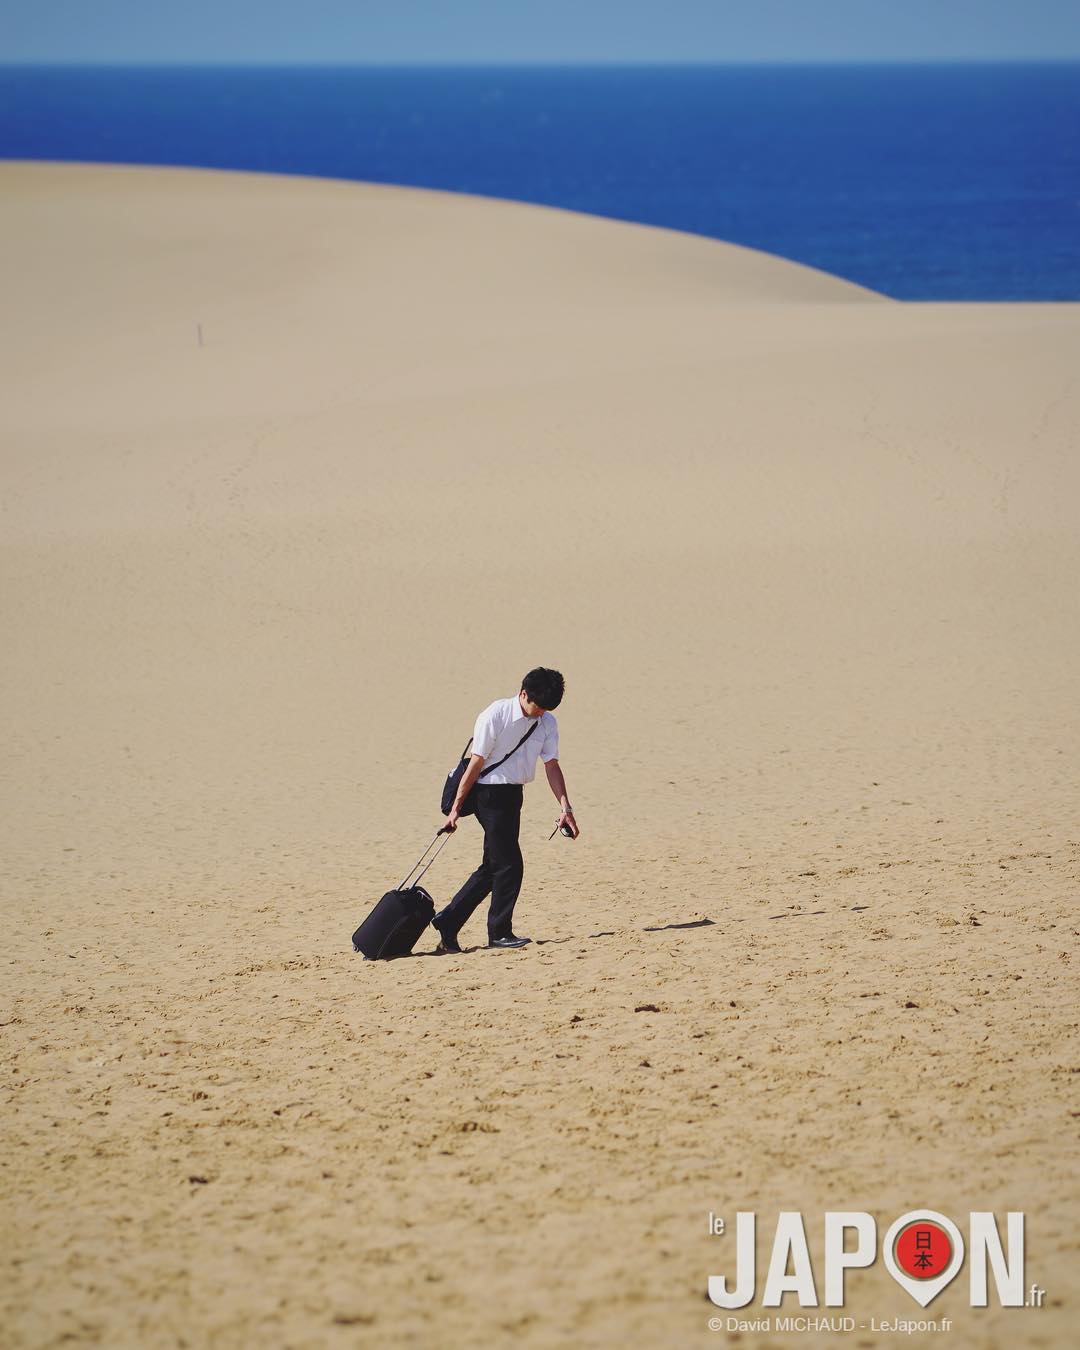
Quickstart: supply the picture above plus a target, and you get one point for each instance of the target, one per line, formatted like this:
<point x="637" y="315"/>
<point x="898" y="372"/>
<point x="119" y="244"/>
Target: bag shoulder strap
<point x="489" y="768"/>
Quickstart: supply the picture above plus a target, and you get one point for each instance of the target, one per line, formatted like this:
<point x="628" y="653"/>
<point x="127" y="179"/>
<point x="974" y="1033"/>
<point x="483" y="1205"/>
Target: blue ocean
<point x="931" y="182"/>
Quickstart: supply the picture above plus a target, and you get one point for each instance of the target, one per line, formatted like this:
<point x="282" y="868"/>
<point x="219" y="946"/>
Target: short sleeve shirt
<point x="499" y="728"/>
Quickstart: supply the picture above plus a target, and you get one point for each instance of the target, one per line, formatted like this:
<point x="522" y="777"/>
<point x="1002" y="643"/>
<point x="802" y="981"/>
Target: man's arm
<point x="468" y="778"/>
<point x="558" y="786"/>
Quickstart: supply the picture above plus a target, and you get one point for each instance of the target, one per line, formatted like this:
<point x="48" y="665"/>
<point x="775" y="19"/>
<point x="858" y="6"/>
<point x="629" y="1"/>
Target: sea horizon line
<point x="914" y="63"/>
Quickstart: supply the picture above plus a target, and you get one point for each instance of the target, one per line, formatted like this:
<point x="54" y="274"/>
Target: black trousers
<point x="498" y="809"/>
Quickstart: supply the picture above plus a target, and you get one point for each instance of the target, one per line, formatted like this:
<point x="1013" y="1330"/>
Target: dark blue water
<point x="936" y="182"/>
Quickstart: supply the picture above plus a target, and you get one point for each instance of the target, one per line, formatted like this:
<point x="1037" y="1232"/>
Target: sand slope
<point x="297" y="476"/>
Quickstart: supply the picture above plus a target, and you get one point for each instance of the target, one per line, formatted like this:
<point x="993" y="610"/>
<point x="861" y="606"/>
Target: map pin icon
<point x="923" y="1250"/>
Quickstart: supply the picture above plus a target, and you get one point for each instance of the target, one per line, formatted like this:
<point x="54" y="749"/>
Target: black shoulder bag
<point x="449" y="792"/>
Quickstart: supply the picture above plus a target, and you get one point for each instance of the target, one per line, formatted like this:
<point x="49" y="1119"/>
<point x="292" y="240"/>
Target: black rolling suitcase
<point x="394" y="926"/>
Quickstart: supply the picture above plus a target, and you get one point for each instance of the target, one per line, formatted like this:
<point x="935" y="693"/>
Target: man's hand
<point x="558" y="785"/>
<point x="450" y="823"/>
<point x="567" y="818"/>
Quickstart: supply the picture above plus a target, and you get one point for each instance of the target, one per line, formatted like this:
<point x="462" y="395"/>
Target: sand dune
<point x="297" y="476"/>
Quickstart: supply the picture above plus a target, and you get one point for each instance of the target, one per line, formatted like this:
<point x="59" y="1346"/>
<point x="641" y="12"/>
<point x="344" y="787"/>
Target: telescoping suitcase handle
<point x="408" y="874"/>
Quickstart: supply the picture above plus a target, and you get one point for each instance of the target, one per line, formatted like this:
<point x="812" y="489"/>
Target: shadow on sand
<point x="658" y="928"/>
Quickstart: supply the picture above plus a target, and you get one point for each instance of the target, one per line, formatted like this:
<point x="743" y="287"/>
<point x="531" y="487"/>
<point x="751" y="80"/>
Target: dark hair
<point x="544" y="687"/>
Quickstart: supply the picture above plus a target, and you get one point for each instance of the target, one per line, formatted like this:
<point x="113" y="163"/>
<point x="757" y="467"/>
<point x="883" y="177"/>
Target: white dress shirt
<point x="499" y="728"/>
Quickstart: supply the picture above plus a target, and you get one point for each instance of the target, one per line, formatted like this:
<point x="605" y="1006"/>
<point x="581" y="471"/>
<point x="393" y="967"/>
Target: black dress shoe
<point x="510" y="941"/>
<point x="447" y="941"/>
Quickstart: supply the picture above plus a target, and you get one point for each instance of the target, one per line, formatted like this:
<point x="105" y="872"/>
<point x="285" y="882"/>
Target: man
<point x="498" y="797"/>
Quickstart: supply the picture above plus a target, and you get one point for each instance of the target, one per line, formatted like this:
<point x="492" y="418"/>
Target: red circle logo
<point x="923" y="1249"/>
